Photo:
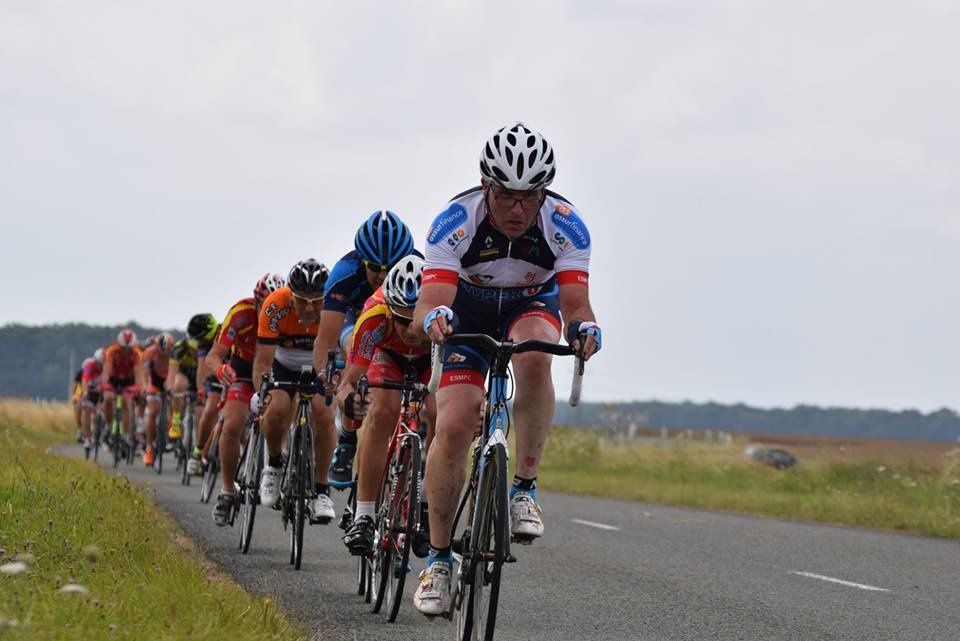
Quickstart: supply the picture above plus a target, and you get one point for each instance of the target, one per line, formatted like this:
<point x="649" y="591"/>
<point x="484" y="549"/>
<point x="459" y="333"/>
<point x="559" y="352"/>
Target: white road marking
<point x="601" y="526"/>
<point x="851" y="584"/>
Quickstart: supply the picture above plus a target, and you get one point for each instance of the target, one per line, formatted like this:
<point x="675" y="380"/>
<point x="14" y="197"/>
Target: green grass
<point x="910" y="498"/>
<point x="74" y="523"/>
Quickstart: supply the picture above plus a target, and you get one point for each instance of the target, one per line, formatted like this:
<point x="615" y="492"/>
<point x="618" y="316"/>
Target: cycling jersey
<point x="501" y="280"/>
<point x="348" y="289"/>
<point x="238" y="330"/>
<point x="374" y="330"/>
<point x="185" y="355"/>
<point x="90" y="372"/>
<point x="465" y="247"/>
<point x="279" y="325"/>
<point x="123" y="361"/>
<point x="157" y="366"/>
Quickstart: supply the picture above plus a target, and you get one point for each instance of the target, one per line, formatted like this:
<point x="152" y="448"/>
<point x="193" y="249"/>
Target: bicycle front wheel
<point x="405" y="516"/>
<point x="488" y="546"/>
<point x="300" y="496"/>
<point x="249" y="488"/>
<point x="213" y="469"/>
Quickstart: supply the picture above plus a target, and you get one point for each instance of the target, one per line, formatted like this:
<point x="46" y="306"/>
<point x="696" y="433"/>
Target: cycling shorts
<point x="242" y="389"/>
<point x="191" y="374"/>
<point x="387" y="366"/>
<point x="285" y="375"/>
<point x="493" y="311"/>
<point x="212" y="385"/>
<point x="124" y="385"/>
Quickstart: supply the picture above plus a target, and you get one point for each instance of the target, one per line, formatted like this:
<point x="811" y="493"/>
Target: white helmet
<point x="518" y="158"/>
<point x="402" y="284"/>
<point x="98" y="356"/>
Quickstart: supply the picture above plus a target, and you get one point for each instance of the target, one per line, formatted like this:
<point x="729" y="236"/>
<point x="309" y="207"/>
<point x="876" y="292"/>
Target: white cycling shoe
<point x="321" y="509"/>
<point x="432" y="597"/>
<point x="525" y="516"/>
<point x="270" y="486"/>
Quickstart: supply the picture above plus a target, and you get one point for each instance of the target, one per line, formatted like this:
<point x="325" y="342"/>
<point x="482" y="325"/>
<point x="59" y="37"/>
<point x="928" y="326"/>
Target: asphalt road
<point x="617" y="570"/>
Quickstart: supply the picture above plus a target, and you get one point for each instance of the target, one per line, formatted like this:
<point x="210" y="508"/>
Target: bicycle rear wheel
<point x="488" y="544"/>
<point x="405" y="517"/>
<point x="213" y="469"/>
<point x="249" y="488"/>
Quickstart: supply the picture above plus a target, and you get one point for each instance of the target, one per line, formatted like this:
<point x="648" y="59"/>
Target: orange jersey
<point x="156" y="363"/>
<point x="123" y="360"/>
<point x="239" y="330"/>
<point x="374" y="330"/>
<point x="279" y="325"/>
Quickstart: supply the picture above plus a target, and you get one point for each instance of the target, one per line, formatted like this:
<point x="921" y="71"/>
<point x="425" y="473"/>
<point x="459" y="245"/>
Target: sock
<point x="440" y="554"/>
<point x="275" y="461"/>
<point x="524" y="485"/>
<point x="365" y="508"/>
<point x="345" y="437"/>
<point x="176" y="418"/>
<point x="197" y="452"/>
<point x="322" y="488"/>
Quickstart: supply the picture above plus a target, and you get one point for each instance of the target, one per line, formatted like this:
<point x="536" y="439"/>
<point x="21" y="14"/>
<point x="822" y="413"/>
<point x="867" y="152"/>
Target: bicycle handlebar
<point x="506" y="349"/>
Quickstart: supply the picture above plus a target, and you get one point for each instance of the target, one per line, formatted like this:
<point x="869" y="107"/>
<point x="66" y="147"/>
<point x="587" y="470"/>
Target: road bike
<point x="400" y="495"/>
<point x="483" y="545"/>
<point x="188" y="426"/>
<point x="251" y="468"/>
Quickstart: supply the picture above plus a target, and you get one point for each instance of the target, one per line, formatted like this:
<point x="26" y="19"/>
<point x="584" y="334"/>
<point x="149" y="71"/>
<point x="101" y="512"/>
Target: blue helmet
<point x="383" y="239"/>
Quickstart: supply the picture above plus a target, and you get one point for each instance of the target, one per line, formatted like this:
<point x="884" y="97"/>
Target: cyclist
<point x="379" y="243"/>
<point x="507" y="258"/>
<point x="287" y="329"/>
<point x="204" y="328"/>
<point x="121" y="361"/>
<point x="384" y="343"/>
<point x="90" y="393"/>
<point x="184" y="374"/>
<point x="155" y="364"/>
<point x="76" y="399"/>
<point x="238" y="339"/>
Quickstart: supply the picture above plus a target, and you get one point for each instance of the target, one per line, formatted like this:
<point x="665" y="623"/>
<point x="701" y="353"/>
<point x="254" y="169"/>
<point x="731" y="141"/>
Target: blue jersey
<point x="348" y="289"/>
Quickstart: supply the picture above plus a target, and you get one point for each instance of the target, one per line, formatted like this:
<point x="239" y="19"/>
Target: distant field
<point x="896" y="485"/>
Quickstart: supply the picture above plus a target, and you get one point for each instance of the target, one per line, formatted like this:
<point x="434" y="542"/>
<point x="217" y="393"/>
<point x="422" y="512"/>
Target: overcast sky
<point x="771" y="188"/>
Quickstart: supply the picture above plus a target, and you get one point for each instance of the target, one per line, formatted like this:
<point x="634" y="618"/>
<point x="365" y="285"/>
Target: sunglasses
<point x="528" y="202"/>
<point x="374" y="267"/>
<point x="303" y="300"/>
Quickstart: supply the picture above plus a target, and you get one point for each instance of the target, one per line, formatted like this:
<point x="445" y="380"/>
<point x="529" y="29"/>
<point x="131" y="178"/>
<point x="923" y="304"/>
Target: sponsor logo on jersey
<point x="457" y="378"/>
<point x="561" y="240"/>
<point x="572" y="227"/>
<point x="457" y="237"/>
<point x="561" y="209"/>
<point x="456" y="357"/>
<point x="489" y="252"/>
<point x="529" y="277"/>
<point x="453" y="217"/>
<point x="488" y="242"/>
<point x="531" y="291"/>
<point x="481" y="279"/>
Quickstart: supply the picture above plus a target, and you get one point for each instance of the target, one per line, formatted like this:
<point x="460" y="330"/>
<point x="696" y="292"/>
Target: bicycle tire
<point x="478" y="613"/>
<point x="160" y="438"/>
<point x="381" y="558"/>
<point x="213" y="469"/>
<point x="249" y="494"/>
<point x="97" y="436"/>
<point x="186" y="443"/>
<point x="300" y="498"/>
<point x="407" y="511"/>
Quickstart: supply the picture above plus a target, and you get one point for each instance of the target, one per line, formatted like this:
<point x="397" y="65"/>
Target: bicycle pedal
<point x="320" y="521"/>
<point x="521" y="539"/>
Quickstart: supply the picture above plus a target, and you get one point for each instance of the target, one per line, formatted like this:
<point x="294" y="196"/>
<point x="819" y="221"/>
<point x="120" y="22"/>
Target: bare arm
<point x="171" y="375"/>
<point x="575" y="305"/>
<point x="215" y="356"/>
<point x="262" y="362"/>
<point x="433" y="295"/>
<point x="331" y="323"/>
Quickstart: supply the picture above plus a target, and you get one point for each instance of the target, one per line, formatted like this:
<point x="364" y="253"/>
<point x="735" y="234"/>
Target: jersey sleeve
<point x="370" y="332"/>
<point x="447" y="233"/>
<point x="232" y="326"/>
<point x="336" y="292"/>
<point x="573" y="259"/>
<point x="268" y="320"/>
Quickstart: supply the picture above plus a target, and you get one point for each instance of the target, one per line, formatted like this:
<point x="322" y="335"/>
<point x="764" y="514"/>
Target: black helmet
<point x="202" y="327"/>
<point x="308" y="277"/>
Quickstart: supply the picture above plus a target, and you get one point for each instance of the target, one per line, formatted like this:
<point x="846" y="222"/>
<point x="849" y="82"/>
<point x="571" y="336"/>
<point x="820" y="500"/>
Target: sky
<point x="771" y="188"/>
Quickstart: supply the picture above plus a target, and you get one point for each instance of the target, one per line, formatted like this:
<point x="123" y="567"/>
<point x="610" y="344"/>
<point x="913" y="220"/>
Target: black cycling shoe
<point x="341" y="469"/>
<point x="359" y="538"/>
<point x="223" y="510"/>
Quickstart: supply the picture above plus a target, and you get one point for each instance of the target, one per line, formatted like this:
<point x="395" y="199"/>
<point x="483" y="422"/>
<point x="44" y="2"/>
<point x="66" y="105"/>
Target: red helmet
<point x="268" y="284"/>
<point x="126" y="338"/>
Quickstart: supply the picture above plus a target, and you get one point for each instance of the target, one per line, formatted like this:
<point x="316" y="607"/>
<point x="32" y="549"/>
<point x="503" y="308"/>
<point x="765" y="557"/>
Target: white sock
<point x="365" y="508"/>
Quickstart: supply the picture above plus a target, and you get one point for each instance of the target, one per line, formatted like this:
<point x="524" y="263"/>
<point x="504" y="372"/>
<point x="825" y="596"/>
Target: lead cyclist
<point x="508" y="259"/>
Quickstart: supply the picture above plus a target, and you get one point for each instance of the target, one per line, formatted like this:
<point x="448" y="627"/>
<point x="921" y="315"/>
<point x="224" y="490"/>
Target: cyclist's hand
<point x="355" y="406"/>
<point x="439" y="323"/>
<point x="327" y="388"/>
<point x="226" y="374"/>
<point x="588" y="332"/>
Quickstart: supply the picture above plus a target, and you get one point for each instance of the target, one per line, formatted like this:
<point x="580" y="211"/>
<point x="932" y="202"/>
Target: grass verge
<point x="906" y="497"/>
<point x="101" y="561"/>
